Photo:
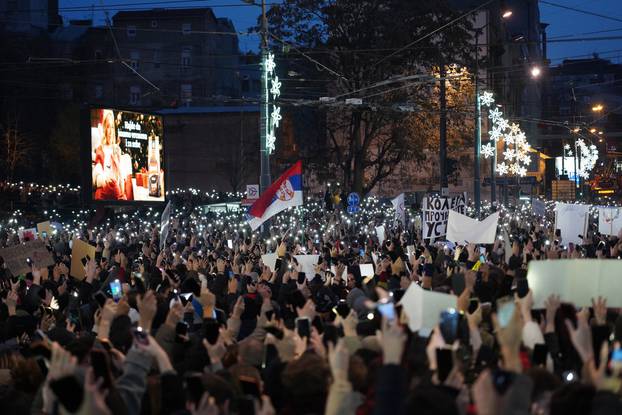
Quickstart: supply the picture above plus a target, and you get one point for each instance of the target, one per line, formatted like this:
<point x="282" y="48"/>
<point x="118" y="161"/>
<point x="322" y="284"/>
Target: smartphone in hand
<point x="101" y="367"/>
<point x="115" y="290"/>
<point x="303" y="327"/>
<point x="444" y="363"/>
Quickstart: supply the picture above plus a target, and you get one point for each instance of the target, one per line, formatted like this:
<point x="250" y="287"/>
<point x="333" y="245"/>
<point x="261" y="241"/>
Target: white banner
<point x="307" y="264"/>
<point x="462" y="229"/>
<point x="269" y="260"/>
<point x="435" y="211"/>
<point x="400" y="209"/>
<point x="609" y="220"/>
<point x="424" y="308"/>
<point x="576" y="281"/>
<point x="380" y="233"/>
<point x="571" y="219"/>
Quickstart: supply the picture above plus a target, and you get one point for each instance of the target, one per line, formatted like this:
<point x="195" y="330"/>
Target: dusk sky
<point x="564" y="24"/>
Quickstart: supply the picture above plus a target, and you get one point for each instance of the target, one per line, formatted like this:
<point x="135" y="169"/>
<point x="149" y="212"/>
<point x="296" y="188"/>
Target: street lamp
<point x="535" y="72"/>
<point x="506" y="14"/>
<point x="597" y="108"/>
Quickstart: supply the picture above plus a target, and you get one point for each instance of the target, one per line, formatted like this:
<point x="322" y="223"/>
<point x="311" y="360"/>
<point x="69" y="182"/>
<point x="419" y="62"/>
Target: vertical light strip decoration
<point x="274" y="112"/>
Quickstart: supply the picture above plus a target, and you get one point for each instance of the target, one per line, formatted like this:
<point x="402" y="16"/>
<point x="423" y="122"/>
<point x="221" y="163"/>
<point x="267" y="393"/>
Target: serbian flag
<point x="284" y="193"/>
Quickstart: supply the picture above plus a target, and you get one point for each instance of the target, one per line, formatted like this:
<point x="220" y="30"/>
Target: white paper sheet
<point x="463" y="229"/>
<point x="609" y="220"/>
<point x="571" y="219"/>
<point x="367" y="270"/>
<point x="307" y="264"/>
<point x="576" y="281"/>
<point x="269" y="260"/>
<point x="380" y="233"/>
<point x="424" y="308"/>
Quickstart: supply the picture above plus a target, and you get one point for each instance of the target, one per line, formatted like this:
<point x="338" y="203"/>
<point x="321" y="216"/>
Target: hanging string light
<point x="516" y="157"/>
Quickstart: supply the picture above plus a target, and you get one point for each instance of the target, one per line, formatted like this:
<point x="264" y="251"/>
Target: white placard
<point x="424" y="308"/>
<point x="609" y="220"/>
<point x="576" y="281"/>
<point x="435" y="211"/>
<point x="367" y="270"/>
<point x="380" y="233"/>
<point x="269" y="260"/>
<point x="571" y="219"/>
<point x="463" y="229"/>
<point x="307" y="264"/>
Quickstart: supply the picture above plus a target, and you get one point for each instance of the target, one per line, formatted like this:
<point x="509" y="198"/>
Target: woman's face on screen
<point x="109" y="137"/>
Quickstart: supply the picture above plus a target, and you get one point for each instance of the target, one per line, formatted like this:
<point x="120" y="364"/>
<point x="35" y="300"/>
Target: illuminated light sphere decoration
<point x="516" y="157"/>
<point x="274" y="111"/>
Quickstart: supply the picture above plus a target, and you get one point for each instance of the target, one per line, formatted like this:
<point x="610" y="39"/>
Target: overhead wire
<point x="446" y="25"/>
<point x="586" y="12"/>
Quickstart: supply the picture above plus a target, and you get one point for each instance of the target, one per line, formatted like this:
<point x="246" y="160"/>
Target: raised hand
<point x="339" y="360"/>
<point x="510" y="338"/>
<point x="175" y="314"/>
<point x="90" y="270"/>
<point x="392" y="340"/>
<point x="308" y="310"/>
<point x="147" y="307"/>
<point x="600" y="311"/>
<point x="551" y="304"/>
<point x="581" y="337"/>
<point x="62" y="363"/>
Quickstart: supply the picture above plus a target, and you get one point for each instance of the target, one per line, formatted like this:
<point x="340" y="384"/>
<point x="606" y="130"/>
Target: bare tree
<point x="16" y="147"/>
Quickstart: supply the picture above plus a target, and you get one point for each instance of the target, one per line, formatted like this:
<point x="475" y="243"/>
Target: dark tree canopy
<point x="358" y="44"/>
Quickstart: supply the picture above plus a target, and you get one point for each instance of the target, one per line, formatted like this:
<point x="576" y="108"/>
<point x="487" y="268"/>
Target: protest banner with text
<point x="15" y="256"/>
<point x="435" y="210"/>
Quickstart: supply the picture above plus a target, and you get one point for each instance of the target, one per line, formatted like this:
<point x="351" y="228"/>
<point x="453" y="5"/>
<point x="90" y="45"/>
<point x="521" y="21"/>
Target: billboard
<point x="127" y="156"/>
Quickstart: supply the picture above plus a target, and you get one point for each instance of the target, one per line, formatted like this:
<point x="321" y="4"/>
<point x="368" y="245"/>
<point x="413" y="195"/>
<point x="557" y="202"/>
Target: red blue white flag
<point x="284" y="193"/>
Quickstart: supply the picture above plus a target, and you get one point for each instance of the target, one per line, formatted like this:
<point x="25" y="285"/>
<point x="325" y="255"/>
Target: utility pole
<point x="264" y="153"/>
<point x="478" y="132"/>
<point x="443" y="132"/>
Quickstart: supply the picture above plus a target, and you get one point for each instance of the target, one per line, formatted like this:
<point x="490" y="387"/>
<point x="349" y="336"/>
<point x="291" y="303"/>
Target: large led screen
<point x="127" y="156"/>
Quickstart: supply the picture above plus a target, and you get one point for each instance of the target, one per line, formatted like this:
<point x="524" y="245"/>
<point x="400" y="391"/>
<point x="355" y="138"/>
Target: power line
<point x="451" y="22"/>
<point x="587" y="12"/>
<point x="122" y="6"/>
<point x="308" y="57"/>
<point x="584" y="33"/>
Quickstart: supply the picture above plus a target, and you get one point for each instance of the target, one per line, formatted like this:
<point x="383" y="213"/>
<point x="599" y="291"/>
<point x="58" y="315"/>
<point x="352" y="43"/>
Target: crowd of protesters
<point x="198" y="324"/>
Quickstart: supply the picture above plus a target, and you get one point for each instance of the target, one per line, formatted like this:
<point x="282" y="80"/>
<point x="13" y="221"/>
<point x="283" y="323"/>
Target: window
<point x="186" y="58"/>
<point x="154" y="24"/>
<point x="186" y="28"/>
<point x="99" y="91"/>
<point x="186" y="94"/>
<point x="156" y="58"/>
<point x="135" y="59"/>
<point x="134" y="95"/>
<point x="131" y="31"/>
